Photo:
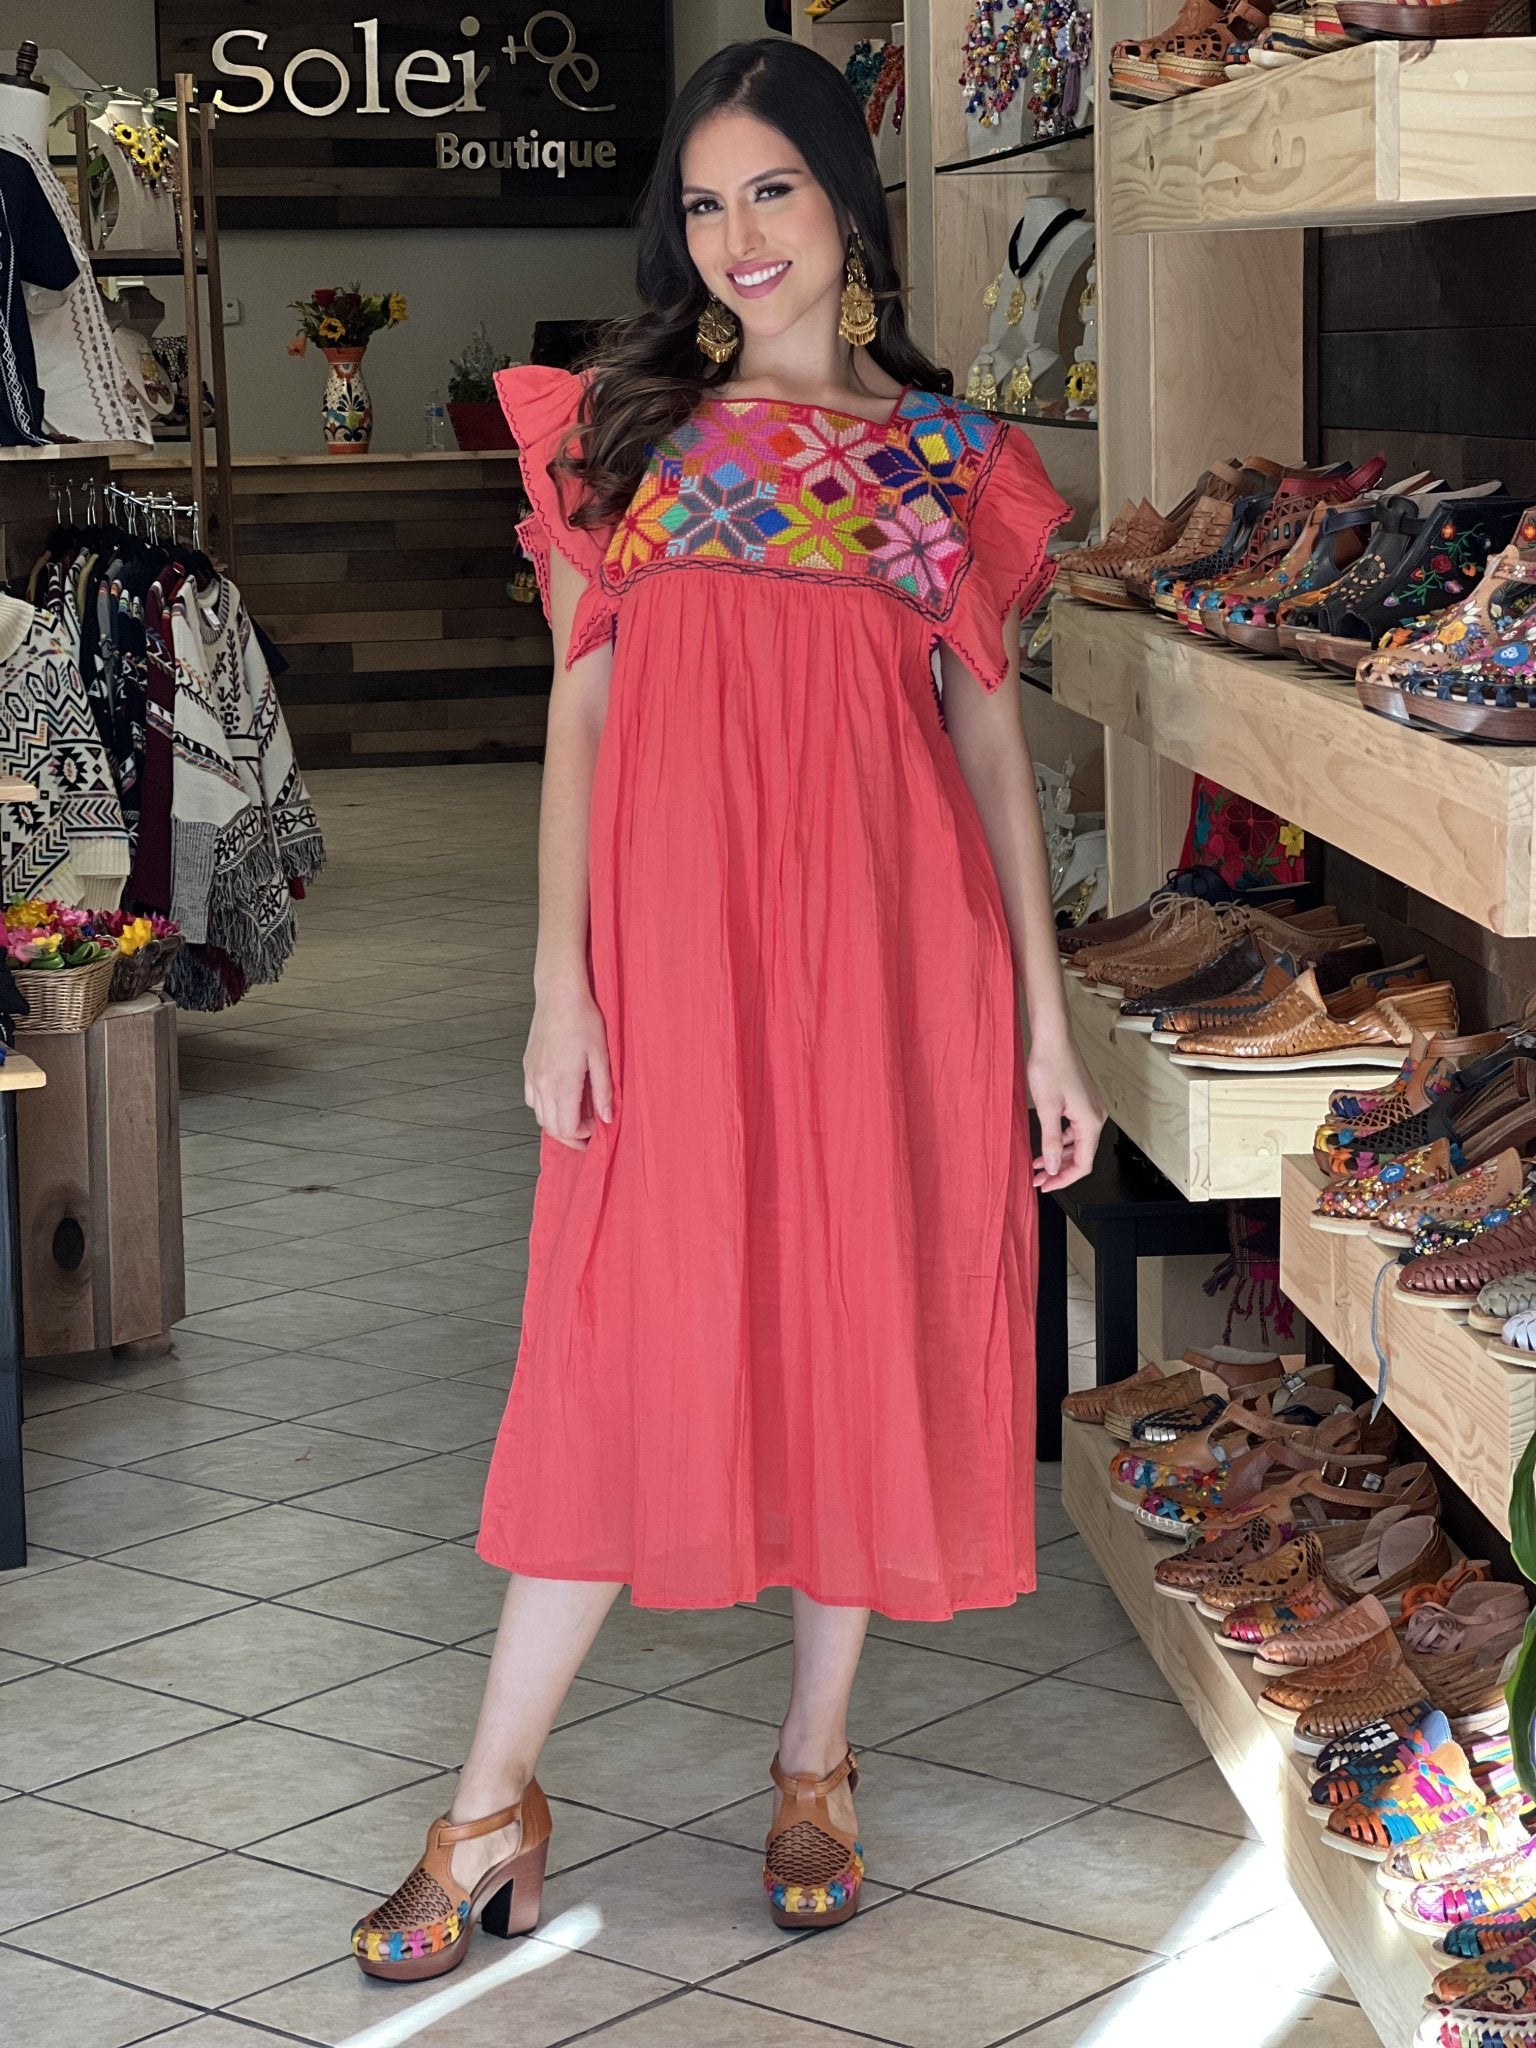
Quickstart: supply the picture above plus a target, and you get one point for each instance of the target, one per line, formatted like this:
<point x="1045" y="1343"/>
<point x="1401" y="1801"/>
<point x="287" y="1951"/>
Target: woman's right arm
<point x="565" y="1067"/>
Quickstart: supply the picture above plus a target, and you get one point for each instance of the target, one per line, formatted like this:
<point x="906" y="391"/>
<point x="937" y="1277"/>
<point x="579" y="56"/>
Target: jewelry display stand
<point x="1022" y="363"/>
<point x="146" y="213"/>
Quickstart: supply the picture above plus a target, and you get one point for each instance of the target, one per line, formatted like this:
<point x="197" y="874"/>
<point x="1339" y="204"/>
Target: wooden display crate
<point x="1457" y="822"/>
<point x="1473" y="1415"/>
<point x="1378" y="134"/>
<point x="1388" y="1969"/>
<point x="1217" y="1136"/>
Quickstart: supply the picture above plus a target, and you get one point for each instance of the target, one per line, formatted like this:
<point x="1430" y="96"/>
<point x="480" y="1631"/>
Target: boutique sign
<point x="426" y="117"/>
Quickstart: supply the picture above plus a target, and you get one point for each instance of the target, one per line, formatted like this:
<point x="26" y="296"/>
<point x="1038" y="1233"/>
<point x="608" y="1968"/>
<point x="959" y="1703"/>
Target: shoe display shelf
<point x="1388" y="1969"/>
<point x="1377" y="134"/>
<point x="1455" y="823"/>
<point x="1472" y="1415"/>
<point x="1216" y="1136"/>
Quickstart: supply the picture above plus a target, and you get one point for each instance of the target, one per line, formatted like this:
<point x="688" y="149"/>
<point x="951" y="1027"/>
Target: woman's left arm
<point x="987" y="732"/>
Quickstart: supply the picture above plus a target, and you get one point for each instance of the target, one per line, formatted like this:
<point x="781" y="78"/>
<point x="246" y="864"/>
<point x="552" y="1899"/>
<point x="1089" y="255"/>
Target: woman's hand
<point x="1070" y="1112"/>
<point x="566" y="1081"/>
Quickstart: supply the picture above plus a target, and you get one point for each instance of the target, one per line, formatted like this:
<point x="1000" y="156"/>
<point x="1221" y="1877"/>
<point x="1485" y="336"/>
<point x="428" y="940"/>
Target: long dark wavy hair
<point x="649" y="373"/>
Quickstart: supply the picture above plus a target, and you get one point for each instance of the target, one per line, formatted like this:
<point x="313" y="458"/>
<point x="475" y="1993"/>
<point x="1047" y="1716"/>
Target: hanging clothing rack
<point x="147" y="515"/>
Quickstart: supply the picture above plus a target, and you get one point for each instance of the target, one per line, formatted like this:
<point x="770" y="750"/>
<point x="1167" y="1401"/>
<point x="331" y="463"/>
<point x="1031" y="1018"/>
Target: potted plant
<point x="342" y="323"/>
<point x="473" y="407"/>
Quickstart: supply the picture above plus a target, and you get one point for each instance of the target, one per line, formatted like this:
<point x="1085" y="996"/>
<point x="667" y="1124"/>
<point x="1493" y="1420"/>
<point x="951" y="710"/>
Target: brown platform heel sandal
<point x="812" y="1871"/>
<point x="422" y="1930"/>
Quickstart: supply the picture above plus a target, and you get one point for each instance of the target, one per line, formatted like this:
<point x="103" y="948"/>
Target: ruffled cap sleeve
<point x="541" y="406"/>
<point x="1013" y="512"/>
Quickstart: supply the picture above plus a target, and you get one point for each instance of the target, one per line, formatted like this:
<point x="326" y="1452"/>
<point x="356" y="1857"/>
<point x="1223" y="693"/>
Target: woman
<point x="779" y="1325"/>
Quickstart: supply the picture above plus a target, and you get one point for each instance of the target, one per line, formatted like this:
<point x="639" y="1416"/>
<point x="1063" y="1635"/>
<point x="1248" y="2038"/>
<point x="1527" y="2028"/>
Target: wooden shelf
<point x="1217" y="1137"/>
<point x="141" y="263"/>
<point x="19" y="1072"/>
<point x="1473" y="1415"/>
<point x="1377" y="134"/>
<point x="1019" y="150"/>
<point x="77" y="451"/>
<point x="1389" y="1970"/>
<point x="14" y="791"/>
<point x="1456" y="822"/>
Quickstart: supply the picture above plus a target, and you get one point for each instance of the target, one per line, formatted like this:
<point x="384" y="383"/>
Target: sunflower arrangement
<point x="147" y="149"/>
<point x="344" y="318"/>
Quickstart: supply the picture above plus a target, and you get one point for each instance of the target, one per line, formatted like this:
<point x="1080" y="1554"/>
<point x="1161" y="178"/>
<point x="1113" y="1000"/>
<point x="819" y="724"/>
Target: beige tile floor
<point x="249" y="1647"/>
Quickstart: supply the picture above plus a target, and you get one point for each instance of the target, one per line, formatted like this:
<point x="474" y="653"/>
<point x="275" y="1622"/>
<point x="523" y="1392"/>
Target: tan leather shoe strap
<point x="800" y="1785"/>
<point x="452" y="1831"/>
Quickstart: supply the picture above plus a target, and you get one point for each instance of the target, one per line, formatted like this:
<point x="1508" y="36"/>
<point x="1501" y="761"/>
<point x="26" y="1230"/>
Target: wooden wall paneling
<point x="947" y="21"/>
<point x="385" y="586"/>
<point x="974" y="214"/>
<point x="918" y="36"/>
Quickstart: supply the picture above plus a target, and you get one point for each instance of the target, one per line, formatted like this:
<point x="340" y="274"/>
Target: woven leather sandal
<point x="1453" y="1278"/>
<point x="1324" y="1640"/>
<point x="423" y="1928"/>
<point x="1349" y="1782"/>
<point x="1467" y="1198"/>
<point x="1514" y="1295"/>
<point x="1350" y="1201"/>
<point x="1297" y="1033"/>
<point x="1478" y="1914"/>
<point x="1090" y="1404"/>
<point x="1467" y="1847"/>
<point x="812" y="1870"/>
<point x="1376" y="1662"/>
<point x="1431" y="1794"/>
<point x="1465" y="1982"/>
<point x="1233" y="1588"/>
<point x="1400" y="1698"/>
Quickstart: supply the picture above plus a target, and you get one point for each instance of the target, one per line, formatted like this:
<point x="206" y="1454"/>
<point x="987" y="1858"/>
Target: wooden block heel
<point x="515" y="1908"/>
<point x="423" y="1928"/>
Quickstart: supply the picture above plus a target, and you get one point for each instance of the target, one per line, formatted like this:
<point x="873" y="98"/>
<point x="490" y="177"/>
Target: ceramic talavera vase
<point x="348" y="408"/>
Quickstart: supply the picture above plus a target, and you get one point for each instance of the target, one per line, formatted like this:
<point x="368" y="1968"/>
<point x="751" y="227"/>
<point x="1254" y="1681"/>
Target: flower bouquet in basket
<point x="146" y="946"/>
<point x="61" y="960"/>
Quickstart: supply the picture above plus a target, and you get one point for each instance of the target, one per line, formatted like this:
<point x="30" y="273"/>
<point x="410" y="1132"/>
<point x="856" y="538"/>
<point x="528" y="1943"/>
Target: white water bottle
<point x="437" y="420"/>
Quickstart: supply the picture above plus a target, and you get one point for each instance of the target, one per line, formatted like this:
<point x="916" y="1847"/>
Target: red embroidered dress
<point x="779" y="1324"/>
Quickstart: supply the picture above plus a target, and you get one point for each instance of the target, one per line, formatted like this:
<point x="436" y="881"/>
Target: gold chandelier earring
<point x="717" y="333"/>
<point x="856" y="320"/>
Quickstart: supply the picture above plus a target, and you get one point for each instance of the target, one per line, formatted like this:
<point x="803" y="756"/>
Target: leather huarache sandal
<point x="1468" y="1198"/>
<point x="1346" y="1783"/>
<point x="1431" y="1794"/>
<point x="1481" y="1913"/>
<point x="1297" y="1032"/>
<point x="423" y="1929"/>
<point x="812" y="1869"/>
<point x="1349" y="1203"/>
<point x="1467" y="1847"/>
<point x="1489" y="1106"/>
<point x="1378" y="1661"/>
<point x="1475" y="1613"/>
<point x="1454" y="1278"/>
<point x="1333" y="1634"/>
<point x="1460" y="1983"/>
<point x="1399" y="1697"/>
<point x="1187" y="1576"/>
<point x="1514" y="1295"/>
<point x="1517" y="1339"/>
<point x="1371" y="1741"/>
<point x="1503" y="2016"/>
<point x="1090" y="1404"/>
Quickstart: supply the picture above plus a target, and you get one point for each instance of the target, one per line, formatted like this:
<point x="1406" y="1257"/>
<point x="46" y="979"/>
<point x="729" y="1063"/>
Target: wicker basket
<point x="135" y="974"/>
<point x="64" y="998"/>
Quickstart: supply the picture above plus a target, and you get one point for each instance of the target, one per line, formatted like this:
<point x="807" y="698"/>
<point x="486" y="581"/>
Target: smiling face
<point x="762" y="233"/>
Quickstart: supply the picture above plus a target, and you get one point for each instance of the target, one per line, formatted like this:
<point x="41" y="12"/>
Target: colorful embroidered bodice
<point x="804" y="491"/>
